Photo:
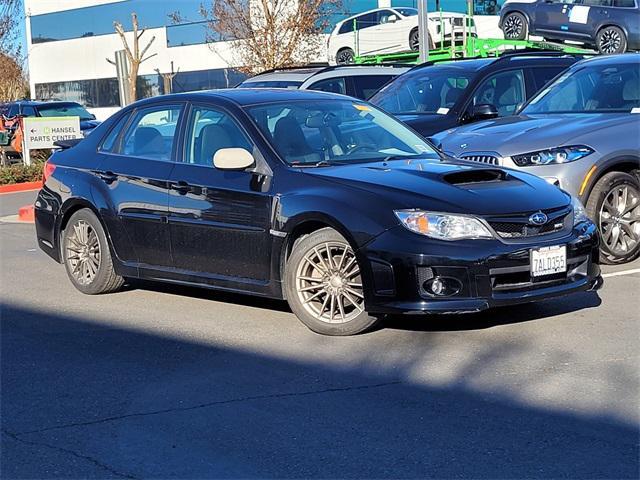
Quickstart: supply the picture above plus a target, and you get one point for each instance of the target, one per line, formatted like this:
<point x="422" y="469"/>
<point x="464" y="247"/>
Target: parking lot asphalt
<point x="165" y="382"/>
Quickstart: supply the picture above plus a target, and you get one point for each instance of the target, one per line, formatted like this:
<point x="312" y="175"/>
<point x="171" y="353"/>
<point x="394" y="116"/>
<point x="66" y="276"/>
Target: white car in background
<point x="390" y="30"/>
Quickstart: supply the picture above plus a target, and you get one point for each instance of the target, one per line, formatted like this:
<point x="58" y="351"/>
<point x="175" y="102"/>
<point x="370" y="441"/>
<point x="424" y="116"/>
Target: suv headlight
<point x="443" y="226"/>
<point x="579" y="213"/>
<point x="552" y="156"/>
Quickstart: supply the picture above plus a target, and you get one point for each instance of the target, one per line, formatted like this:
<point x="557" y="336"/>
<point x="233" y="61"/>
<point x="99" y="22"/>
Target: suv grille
<point x="521" y="228"/>
<point x="489" y="159"/>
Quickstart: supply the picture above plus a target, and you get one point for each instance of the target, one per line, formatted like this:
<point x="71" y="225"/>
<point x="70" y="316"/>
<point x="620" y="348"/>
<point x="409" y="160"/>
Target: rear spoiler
<point x="65" y="144"/>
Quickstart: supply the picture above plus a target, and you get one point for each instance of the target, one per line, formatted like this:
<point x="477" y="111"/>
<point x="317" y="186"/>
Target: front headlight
<point x="552" y="156"/>
<point x="579" y="213"/>
<point x="443" y="226"/>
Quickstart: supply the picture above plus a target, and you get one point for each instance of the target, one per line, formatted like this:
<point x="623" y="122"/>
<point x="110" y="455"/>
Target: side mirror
<point x="392" y="19"/>
<point x="484" y="111"/>
<point x="233" y="159"/>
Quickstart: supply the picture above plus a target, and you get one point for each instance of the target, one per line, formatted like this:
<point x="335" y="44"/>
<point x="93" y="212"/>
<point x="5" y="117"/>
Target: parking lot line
<point x="623" y="272"/>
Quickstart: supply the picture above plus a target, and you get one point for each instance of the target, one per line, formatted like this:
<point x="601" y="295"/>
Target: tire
<point x="86" y="255"/>
<point x="515" y="26"/>
<point x="610" y="40"/>
<point x="324" y="289"/>
<point x="414" y="41"/>
<point x="620" y="242"/>
<point x="345" y="56"/>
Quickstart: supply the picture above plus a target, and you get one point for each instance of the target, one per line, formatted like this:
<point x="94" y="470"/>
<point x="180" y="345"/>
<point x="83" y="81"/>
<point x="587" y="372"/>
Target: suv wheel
<point x="614" y="204"/>
<point x="86" y="255"/>
<point x="345" y="56"/>
<point x="323" y="285"/>
<point x="611" y="40"/>
<point x="515" y="26"/>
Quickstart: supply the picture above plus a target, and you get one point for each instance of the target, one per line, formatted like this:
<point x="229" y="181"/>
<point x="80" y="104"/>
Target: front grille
<point x="488" y="159"/>
<point x="513" y="279"/>
<point x="516" y="227"/>
<point x="523" y="230"/>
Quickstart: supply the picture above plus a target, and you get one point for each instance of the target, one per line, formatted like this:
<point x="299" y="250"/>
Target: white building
<point x="69" y="41"/>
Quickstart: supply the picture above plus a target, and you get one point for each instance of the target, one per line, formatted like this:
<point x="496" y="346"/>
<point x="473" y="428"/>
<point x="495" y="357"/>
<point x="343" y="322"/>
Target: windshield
<point x="271" y="84"/>
<point x="591" y="89"/>
<point x="429" y="90"/>
<point x="335" y="131"/>
<point x="64" y="110"/>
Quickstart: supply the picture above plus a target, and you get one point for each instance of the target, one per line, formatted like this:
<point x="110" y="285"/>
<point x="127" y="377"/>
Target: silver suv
<point x="582" y="133"/>
<point x="357" y="81"/>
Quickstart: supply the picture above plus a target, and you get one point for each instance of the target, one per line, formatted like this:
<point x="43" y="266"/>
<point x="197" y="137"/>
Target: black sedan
<point x="315" y="198"/>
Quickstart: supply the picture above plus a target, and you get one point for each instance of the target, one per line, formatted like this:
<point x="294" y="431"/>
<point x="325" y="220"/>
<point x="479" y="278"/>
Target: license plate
<point x="548" y="260"/>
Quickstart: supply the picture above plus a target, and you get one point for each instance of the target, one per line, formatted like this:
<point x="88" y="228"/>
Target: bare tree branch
<point x="134" y="56"/>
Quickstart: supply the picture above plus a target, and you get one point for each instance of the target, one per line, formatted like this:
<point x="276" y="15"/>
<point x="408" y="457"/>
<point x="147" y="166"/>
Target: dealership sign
<point x="43" y="132"/>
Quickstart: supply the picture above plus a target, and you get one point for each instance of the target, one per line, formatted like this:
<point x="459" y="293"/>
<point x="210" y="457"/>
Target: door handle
<point x="108" y="176"/>
<point x="181" y="187"/>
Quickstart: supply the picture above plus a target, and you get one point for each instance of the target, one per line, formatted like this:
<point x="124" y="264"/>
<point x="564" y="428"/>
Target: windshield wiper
<point x="321" y="163"/>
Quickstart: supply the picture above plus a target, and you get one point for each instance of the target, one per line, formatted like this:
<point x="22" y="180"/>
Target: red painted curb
<point x="20" y="187"/>
<point x="27" y="214"/>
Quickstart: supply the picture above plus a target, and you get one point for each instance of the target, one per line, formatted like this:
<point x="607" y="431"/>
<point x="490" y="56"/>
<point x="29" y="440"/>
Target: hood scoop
<point x="472" y="177"/>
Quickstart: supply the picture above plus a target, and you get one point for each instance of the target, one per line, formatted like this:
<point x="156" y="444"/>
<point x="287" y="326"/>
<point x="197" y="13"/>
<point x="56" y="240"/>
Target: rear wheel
<point x="345" y="56"/>
<point x="324" y="285"/>
<point x="515" y="26"/>
<point x="611" y="40"/>
<point x="614" y="204"/>
<point x="86" y="255"/>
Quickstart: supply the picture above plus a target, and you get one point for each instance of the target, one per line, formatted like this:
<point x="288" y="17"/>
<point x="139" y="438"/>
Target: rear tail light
<point x="48" y="170"/>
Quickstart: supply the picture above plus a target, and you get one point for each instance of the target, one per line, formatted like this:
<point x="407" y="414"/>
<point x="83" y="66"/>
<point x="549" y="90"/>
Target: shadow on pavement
<point x="86" y="399"/>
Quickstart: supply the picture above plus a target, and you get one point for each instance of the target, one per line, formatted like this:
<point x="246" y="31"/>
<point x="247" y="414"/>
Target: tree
<point x="135" y="55"/>
<point x="268" y="34"/>
<point x="13" y="84"/>
<point x="9" y="18"/>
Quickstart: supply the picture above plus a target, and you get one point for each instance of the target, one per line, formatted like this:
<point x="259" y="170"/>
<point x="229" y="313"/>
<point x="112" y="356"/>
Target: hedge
<point x="20" y="173"/>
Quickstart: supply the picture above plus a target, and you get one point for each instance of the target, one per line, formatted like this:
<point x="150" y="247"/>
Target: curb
<point x="27" y="214"/>
<point x="20" y="187"/>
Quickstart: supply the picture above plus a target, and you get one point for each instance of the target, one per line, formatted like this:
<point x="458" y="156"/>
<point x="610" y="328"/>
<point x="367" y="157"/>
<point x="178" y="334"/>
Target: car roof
<point x="249" y="96"/>
<point x="509" y="59"/>
<point x="36" y="103"/>
<point x="617" y="59"/>
<point x="302" y="74"/>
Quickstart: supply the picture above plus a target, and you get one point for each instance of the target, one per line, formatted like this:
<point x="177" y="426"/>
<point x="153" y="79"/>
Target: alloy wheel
<point x="329" y="284"/>
<point x="83" y="252"/>
<point x="345" y="57"/>
<point x="620" y="220"/>
<point x="414" y="41"/>
<point x="610" y="41"/>
<point x="513" y="26"/>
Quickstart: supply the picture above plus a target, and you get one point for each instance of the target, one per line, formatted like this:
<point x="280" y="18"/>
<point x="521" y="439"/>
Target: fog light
<point x="442" y="286"/>
<point x="437" y="286"/>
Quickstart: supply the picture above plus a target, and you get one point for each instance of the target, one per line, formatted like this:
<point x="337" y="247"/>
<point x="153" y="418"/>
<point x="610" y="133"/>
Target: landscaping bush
<point x="21" y="173"/>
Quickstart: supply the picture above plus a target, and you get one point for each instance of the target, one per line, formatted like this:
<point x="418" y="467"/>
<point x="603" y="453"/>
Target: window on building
<point x="151" y="133"/>
<point x="101" y="92"/>
<point x="190" y="34"/>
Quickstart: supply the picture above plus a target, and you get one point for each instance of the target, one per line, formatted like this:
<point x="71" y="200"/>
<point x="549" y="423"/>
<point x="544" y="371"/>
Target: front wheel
<point x="515" y="26"/>
<point x="324" y="287"/>
<point x="614" y="204"/>
<point x="414" y="41"/>
<point x="611" y="40"/>
<point x="86" y="255"/>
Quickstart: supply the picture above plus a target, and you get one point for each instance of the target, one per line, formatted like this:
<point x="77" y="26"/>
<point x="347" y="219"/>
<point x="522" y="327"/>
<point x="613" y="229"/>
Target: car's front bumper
<point x="491" y="273"/>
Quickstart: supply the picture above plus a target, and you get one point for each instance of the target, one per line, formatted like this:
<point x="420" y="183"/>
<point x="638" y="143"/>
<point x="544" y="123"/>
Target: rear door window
<point x="333" y="85"/>
<point x="366" y="85"/>
<point x="110" y="143"/>
<point x="151" y="133"/>
<point x="543" y="76"/>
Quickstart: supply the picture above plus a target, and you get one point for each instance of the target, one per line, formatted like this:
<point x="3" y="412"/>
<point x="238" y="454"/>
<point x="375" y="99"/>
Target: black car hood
<point x="448" y="186"/>
<point x="427" y="124"/>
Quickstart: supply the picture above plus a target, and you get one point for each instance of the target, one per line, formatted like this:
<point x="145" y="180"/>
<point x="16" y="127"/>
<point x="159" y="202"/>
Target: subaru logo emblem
<point x="464" y="145"/>
<point x="538" y="218"/>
